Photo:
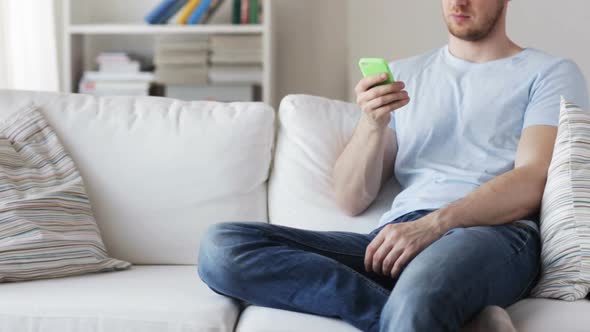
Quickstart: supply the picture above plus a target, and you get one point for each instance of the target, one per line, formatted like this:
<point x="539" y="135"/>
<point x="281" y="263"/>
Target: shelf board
<point x="145" y="29"/>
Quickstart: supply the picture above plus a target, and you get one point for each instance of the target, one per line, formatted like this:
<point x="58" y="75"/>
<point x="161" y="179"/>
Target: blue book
<point x="199" y="12"/>
<point x="172" y="11"/>
<point x="164" y="11"/>
<point x="156" y="14"/>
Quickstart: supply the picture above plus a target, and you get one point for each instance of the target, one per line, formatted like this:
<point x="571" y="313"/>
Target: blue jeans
<point x="323" y="273"/>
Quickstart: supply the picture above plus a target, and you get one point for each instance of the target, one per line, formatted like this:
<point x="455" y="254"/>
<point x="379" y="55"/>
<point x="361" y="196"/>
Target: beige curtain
<point x="28" y="45"/>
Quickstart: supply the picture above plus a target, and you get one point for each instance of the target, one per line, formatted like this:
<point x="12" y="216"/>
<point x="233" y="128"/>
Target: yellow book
<point x="187" y="10"/>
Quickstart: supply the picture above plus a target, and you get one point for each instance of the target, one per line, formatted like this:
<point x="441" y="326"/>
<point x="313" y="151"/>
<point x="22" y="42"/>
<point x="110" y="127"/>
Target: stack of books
<point x="247" y="12"/>
<point x="236" y="59"/>
<point x="186" y="11"/>
<point x="182" y="60"/>
<point x="117" y="75"/>
<point x="182" y="65"/>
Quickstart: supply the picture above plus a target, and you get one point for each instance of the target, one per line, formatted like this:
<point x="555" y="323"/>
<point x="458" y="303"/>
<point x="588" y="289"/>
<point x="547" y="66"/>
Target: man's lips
<point x="460" y="17"/>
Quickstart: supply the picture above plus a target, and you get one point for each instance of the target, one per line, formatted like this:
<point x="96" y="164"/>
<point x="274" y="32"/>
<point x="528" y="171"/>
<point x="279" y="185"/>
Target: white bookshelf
<point x="141" y="29"/>
<point x="91" y="26"/>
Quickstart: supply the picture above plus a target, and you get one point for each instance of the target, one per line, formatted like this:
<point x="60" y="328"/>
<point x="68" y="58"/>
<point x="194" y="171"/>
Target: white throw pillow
<point x="565" y="213"/>
<point x="313" y="132"/>
<point x="47" y="229"/>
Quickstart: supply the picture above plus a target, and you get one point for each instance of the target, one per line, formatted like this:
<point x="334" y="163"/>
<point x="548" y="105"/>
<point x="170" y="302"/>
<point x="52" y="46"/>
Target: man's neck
<point x="495" y="46"/>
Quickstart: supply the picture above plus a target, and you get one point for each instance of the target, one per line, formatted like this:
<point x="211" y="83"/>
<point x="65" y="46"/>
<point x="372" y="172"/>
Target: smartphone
<point x="374" y="66"/>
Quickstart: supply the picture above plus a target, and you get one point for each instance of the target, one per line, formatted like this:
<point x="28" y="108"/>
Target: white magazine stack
<point x="117" y="75"/>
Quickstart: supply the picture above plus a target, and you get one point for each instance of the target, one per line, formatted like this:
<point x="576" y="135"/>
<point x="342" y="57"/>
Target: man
<point x="470" y="129"/>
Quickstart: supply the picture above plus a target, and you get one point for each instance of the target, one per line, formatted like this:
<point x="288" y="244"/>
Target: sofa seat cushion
<point x="545" y="315"/>
<point x="529" y="315"/>
<point x="262" y="319"/>
<point x="144" y="298"/>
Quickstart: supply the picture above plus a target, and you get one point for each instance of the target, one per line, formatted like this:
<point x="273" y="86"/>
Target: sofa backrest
<point x="313" y="131"/>
<point x="159" y="171"/>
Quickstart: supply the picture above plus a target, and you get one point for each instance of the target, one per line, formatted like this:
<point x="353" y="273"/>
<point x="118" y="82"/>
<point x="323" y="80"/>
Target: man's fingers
<point x="380" y="255"/>
<point x="370" y="251"/>
<point x="375" y="92"/>
<point x="391" y="107"/>
<point x="400" y="263"/>
<point x="387" y="88"/>
<point x="390" y="260"/>
<point x="387" y="99"/>
<point x="367" y="82"/>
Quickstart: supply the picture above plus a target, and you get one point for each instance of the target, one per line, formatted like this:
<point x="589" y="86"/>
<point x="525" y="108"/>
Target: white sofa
<point x="160" y="171"/>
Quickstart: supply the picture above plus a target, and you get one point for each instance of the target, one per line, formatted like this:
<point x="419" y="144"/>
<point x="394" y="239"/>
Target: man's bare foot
<point x="491" y="319"/>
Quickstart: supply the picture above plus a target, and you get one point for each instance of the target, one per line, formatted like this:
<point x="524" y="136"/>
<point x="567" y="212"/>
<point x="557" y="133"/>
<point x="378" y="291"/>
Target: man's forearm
<point x="506" y="198"/>
<point x="358" y="171"/>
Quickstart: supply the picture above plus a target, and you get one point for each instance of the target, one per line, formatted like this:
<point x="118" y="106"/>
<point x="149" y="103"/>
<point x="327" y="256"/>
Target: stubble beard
<point x="479" y="31"/>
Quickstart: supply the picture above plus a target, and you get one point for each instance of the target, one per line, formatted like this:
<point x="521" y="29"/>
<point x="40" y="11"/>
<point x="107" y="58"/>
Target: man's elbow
<point x="538" y="181"/>
<point x="351" y="200"/>
<point x="351" y="207"/>
<point x="349" y="210"/>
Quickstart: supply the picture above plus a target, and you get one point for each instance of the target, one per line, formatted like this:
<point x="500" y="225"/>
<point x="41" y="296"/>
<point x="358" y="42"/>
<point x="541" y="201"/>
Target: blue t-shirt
<point x="462" y="126"/>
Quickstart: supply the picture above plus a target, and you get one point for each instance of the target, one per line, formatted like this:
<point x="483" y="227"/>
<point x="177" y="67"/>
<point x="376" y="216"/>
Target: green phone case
<point x="374" y="66"/>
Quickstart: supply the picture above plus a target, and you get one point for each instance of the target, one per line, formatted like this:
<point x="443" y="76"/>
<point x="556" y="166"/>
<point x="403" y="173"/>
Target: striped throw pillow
<point x="565" y="212"/>
<point x="46" y="225"/>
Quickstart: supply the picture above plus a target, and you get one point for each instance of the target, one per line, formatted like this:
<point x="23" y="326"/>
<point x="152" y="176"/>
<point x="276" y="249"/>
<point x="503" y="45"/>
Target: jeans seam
<point x="316" y="246"/>
<point x="377" y="318"/>
<point x="365" y="279"/>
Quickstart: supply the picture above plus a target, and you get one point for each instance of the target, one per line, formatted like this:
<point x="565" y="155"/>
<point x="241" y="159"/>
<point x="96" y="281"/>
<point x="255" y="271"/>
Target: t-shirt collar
<point x="465" y="64"/>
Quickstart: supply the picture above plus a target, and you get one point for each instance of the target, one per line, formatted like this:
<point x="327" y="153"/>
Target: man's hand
<point x="377" y="102"/>
<point x="397" y="244"/>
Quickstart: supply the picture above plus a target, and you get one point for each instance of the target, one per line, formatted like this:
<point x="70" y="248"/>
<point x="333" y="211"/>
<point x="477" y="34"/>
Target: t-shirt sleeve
<point x="392" y="121"/>
<point x="564" y="78"/>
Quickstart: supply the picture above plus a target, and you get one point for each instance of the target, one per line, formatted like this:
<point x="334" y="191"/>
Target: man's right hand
<point x="377" y="102"/>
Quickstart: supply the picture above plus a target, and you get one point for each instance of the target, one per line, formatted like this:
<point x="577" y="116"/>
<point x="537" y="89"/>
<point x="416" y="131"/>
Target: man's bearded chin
<point x="477" y="31"/>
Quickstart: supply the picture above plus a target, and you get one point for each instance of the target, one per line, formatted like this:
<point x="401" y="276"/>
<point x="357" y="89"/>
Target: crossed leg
<point x="323" y="273"/>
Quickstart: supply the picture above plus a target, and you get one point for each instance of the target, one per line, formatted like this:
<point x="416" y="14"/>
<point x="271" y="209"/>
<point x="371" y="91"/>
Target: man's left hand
<point x="397" y="244"/>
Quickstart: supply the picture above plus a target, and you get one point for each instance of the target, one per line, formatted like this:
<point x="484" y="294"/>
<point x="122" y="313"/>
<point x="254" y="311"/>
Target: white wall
<point x="398" y="29"/>
<point x="561" y="28"/>
<point x="312" y="52"/>
<point x="58" y="10"/>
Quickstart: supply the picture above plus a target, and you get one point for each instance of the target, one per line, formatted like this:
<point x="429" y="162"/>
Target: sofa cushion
<point x="565" y="223"/>
<point x="144" y="298"/>
<point x="46" y="225"/>
<point x="545" y="315"/>
<point x="313" y="131"/>
<point x="159" y="171"/>
<point x="262" y="319"/>
<point x="529" y="315"/>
